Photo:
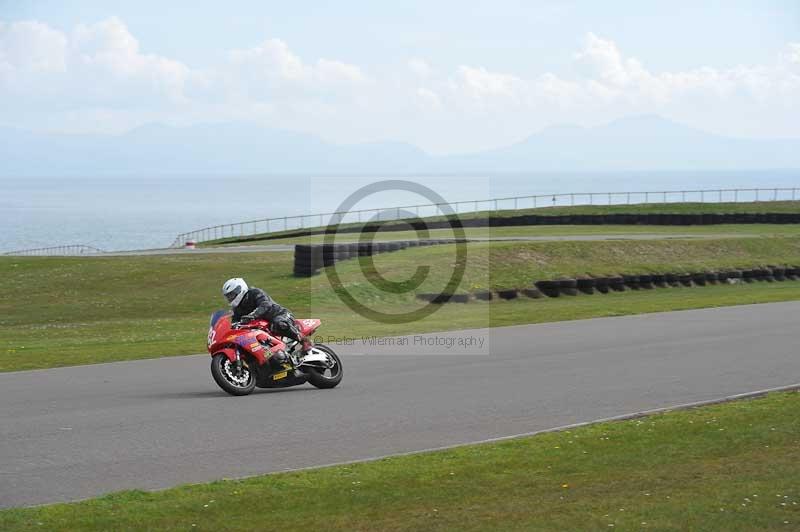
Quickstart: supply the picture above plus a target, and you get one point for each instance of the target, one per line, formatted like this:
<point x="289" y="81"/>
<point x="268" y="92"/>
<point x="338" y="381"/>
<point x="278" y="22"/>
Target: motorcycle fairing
<point x="308" y="326"/>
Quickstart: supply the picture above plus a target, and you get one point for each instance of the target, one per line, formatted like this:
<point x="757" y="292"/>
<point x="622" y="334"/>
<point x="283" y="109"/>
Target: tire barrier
<point x="631" y="281"/>
<point x="602" y="284"/>
<point x="539" y="219"/>
<point x="548" y="288"/>
<point x="442" y="298"/>
<point x="460" y="298"/>
<point x="568" y="286"/>
<point x="734" y="276"/>
<point x="586" y="285"/>
<point x="646" y="282"/>
<point x="619" y="283"/>
<point x="508" y="293"/>
<point x="309" y="259"/>
<point x="532" y="293"/>
<point x="483" y="295"/>
<point x="778" y="273"/>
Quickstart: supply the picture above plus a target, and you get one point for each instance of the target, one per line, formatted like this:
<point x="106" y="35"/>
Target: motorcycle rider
<point x="251" y="303"/>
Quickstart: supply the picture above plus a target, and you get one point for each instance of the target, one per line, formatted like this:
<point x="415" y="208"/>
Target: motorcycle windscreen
<point x="217" y="316"/>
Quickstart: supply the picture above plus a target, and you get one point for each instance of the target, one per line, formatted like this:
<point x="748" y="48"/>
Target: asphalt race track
<point x="73" y="433"/>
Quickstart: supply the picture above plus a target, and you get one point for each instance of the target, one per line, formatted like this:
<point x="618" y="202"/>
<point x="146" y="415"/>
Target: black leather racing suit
<point x="256" y="304"/>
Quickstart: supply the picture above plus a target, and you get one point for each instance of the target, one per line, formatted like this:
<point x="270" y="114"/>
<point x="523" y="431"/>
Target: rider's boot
<point x="306" y="344"/>
<point x="279" y="360"/>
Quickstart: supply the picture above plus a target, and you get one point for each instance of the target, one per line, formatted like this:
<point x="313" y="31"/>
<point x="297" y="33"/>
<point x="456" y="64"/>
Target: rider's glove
<point x="247" y="318"/>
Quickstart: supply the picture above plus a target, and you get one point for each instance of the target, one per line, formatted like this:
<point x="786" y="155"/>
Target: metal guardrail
<point x="286" y="223"/>
<point x="58" y="251"/>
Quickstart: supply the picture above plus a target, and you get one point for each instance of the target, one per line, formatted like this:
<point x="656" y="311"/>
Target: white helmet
<point x="234" y="290"/>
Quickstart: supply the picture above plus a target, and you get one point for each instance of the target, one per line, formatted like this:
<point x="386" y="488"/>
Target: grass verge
<point x="67" y="311"/>
<point x="730" y="467"/>
<point x="648" y="208"/>
<point x="553" y="231"/>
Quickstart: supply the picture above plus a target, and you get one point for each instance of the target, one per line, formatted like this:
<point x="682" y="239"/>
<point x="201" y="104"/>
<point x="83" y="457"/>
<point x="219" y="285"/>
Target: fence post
<point x="629" y="198"/>
<point x="720" y="196"/>
<point x="495" y="205"/>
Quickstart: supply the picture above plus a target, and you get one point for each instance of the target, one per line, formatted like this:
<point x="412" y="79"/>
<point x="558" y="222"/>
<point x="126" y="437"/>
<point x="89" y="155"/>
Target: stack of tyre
<point x="310" y="258"/>
<point x="307" y="260"/>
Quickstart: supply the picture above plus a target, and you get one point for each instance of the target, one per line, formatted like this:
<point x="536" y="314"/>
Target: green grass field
<point x="730" y="467"/>
<point x="67" y="311"/>
<point x="551" y="231"/>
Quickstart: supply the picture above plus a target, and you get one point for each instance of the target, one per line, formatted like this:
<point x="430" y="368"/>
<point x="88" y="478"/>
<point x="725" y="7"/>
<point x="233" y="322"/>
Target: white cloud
<point x="272" y="64"/>
<point x="607" y="76"/>
<point x="792" y="55"/>
<point x="419" y="67"/>
<point x="427" y="99"/>
<point x="31" y="46"/>
<point x="330" y="71"/>
<point x="272" y="60"/>
<point x="628" y="79"/>
<point x="98" y="64"/>
<point x="481" y="83"/>
<point x="99" y="70"/>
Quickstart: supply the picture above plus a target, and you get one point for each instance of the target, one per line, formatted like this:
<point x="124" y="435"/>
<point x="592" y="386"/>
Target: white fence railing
<point x="302" y="221"/>
<point x="63" y="251"/>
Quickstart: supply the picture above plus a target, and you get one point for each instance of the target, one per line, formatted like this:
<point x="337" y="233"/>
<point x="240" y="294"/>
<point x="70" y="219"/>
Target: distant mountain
<point x="635" y="143"/>
<point x="230" y="148"/>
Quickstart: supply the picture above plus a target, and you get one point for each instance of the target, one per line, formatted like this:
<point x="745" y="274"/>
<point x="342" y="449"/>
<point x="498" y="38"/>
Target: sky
<point x="447" y="76"/>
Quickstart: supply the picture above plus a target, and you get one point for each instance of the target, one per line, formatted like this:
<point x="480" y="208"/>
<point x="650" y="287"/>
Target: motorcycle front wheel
<point x="325" y="378"/>
<point x="229" y="378"/>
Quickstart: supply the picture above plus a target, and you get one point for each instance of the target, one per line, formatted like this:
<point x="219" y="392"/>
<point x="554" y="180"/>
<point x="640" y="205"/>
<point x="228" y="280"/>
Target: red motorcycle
<point x="242" y="357"/>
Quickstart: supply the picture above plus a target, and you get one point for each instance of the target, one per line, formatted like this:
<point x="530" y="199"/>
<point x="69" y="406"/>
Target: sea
<point x="124" y="213"/>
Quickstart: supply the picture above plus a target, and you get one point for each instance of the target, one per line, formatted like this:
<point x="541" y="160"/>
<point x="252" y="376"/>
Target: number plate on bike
<point x="279" y="376"/>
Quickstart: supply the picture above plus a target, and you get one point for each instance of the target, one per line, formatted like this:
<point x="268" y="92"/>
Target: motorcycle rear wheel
<point x="222" y="369"/>
<point x="329" y="378"/>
